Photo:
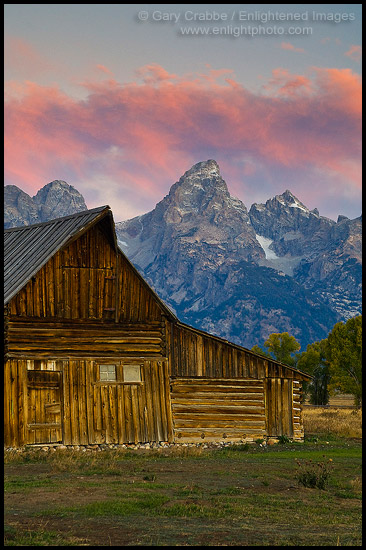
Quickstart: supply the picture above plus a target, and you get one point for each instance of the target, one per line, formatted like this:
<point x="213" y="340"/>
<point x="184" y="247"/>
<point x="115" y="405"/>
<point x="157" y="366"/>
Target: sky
<point x="120" y="100"/>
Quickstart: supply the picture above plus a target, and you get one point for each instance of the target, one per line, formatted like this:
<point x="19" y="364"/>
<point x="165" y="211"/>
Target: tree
<point x="282" y="345"/>
<point x="260" y="351"/>
<point x="314" y="361"/>
<point x="344" y="352"/>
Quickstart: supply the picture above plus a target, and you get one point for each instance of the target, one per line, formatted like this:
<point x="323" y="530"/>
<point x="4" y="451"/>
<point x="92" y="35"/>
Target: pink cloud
<point x="285" y="84"/>
<point x="355" y="53"/>
<point x="141" y="136"/>
<point x="289" y="46"/>
<point x="20" y="55"/>
<point x="104" y="70"/>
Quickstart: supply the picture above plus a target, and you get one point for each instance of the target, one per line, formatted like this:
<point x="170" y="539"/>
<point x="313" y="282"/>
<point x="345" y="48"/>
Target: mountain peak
<point x="201" y="177"/>
<point x="54" y="200"/>
<point x="56" y="186"/>
<point x="207" y="168"/>
<point x="199" y="185"/>
<point x="289" y="200"/>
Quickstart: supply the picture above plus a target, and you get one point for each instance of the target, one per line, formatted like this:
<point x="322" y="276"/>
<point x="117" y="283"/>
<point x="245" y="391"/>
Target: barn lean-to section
<point x="92" y="355"/>
<point x="222" y="391"/>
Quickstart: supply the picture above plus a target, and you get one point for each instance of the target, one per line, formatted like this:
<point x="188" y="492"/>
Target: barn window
<point x="131" y="373"/>
<point x="107" y="373"/>
<point x="40" y="364"/>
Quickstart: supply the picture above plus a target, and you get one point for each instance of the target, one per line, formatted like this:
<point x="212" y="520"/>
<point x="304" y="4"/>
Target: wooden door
<point x="279" y="403"/>
<point x="44" y="392"/>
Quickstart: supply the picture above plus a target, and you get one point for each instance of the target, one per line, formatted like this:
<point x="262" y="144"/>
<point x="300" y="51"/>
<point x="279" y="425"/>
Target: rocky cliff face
<point x="335" y="273"/>
<point x="198" y="223"/>
<point x="323" y="255"/>
<point x="19" y="208"/>
<point x="54" y="200"/>
<point x="230" y="271"/>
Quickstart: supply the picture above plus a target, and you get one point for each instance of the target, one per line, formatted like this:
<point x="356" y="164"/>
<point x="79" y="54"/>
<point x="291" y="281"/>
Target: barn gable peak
<point x="28" y="248"/>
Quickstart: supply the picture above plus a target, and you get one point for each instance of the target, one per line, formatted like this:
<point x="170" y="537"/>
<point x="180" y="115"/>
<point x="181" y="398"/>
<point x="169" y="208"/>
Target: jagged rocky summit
<point x="236" y="273"/>
<point x="54" y="200"/>
<point x="240" y="274"/>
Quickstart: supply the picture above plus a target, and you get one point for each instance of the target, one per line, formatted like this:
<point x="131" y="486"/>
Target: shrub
<point x="314" y="474"/>
<point x="284" y="439"/>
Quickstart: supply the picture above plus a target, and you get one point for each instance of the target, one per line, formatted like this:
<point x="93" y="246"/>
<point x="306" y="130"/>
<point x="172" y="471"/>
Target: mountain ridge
<point x="54" y="200"/>
<point x="237" y="273"/>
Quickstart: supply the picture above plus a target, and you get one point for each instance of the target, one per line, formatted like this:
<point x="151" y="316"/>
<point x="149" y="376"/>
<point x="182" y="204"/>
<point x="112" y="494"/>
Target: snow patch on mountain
<point x="266" y="244"/>
<point x="284" y="264"/>
<point x="297" y="205"/>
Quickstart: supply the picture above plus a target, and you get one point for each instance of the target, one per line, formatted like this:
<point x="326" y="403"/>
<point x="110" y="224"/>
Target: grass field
<point x="246" y="495"/>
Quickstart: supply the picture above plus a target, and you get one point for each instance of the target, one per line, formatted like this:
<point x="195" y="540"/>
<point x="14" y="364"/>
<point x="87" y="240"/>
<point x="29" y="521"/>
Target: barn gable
<point x="94" y="356"/>
<point x="28" y="248"/>
<point x="72" y="268"/>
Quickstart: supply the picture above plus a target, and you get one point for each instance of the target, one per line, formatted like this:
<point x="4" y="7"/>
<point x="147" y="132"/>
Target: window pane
<point x="131" y="373"/>
<point x="107" y="372"/>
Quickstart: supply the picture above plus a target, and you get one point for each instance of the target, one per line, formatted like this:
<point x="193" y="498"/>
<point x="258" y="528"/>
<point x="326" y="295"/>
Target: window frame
<point x="119" y="370"/>
<point x="107" y="372"/>
<point x="133" y="365"/>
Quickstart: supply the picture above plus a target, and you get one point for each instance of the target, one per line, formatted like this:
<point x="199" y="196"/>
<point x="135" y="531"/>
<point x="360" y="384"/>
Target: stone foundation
<point x="136" y="446"/>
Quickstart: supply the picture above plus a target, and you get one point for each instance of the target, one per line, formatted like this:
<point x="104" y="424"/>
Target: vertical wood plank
<point x="121" y="416"/>
<point x="112" y="413"/>
<point x="149" y="414"/>
<point x="89" y="401"/>
<point x="82" y="402"/>
<point x="135" y="414"/>
<point x="21" y="416"/>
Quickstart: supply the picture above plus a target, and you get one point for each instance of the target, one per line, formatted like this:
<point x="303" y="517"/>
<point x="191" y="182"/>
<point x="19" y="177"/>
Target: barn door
<point x="44" y="406"/>
<point x="279" y="407"/>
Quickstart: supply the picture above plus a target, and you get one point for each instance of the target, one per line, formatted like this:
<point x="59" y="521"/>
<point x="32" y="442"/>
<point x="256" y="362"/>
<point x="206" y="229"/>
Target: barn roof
<point x="28" y="248"/>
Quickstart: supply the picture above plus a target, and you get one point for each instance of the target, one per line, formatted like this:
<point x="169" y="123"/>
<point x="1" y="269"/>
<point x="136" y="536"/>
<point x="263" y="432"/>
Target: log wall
<point x="52" y="338"/>
<point x="297" y="411"/>
<point x="218" y="409"/>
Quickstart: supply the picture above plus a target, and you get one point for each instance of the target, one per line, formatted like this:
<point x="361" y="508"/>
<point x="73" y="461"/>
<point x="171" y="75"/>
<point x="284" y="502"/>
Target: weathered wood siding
<point x="116" y="412"/>
<point x="52" y="338"/>
<point x="43" y="406"/>
<point x="195" y="354"/>
<point x="297" y="415"/>
<point x="217" y="409"/>
<point x="87" y="279"/>
<point x="279" y="407"/>
<point x="89" y="411"/>
<point x="14" y="388"/>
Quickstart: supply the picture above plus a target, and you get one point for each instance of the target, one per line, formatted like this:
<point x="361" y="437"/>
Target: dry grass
<point x="344" y="399"/>
<point x="338" y="422"/>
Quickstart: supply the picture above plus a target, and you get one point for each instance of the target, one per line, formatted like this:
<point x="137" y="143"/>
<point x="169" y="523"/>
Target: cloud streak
<point x="291" y="47"/>
<point x="139" y="137"/>
<point x="355" y="53"/>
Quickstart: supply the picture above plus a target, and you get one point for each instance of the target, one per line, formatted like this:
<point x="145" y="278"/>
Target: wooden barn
<point x="92" y="355"/>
